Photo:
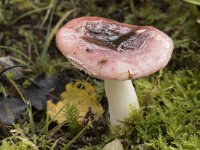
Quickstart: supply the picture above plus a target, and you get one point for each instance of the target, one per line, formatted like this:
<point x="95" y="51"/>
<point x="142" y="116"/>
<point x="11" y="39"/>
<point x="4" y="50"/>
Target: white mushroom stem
<point x="121" y="97"/>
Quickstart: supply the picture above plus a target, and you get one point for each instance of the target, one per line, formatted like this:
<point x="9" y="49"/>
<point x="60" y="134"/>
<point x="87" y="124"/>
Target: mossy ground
<point x="170" y="100"/>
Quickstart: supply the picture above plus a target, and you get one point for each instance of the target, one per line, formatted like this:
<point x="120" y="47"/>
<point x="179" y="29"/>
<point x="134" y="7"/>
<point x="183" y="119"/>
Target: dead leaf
<point x="37" y="92"/>
<point x="6" y="62"/>
<point x="80" y="94"/>
<point x="10" y="109"/>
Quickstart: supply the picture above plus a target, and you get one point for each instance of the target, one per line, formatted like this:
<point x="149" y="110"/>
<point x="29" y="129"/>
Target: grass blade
<point x="30" y="13"/>
<point x="15" y="50"/>
<point x="52" y="3"/>
<point x="196" y="2"/>
<point x="74" y="139"/>
<point x="53" y="31"/>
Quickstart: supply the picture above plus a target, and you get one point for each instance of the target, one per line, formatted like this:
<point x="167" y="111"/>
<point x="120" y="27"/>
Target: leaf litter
<point x="6" y="62"/>
<point x="82" y="96"/>
<point x="37" y="92"/>
<point x="11" y="108"/>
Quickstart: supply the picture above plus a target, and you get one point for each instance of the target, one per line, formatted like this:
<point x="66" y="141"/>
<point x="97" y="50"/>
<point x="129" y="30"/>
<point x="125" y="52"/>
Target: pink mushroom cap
<point x="110" y="50"/>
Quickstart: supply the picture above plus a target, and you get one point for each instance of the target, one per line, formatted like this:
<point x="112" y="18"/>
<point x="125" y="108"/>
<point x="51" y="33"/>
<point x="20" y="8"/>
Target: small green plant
<point x="71" y="113"/>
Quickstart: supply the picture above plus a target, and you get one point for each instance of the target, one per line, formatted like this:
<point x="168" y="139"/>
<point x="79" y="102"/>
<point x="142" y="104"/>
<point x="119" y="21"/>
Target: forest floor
<point x="34" y="77"/>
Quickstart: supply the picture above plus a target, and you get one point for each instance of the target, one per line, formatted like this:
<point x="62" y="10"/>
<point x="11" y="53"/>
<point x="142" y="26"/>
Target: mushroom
<point x="116" y="53"/>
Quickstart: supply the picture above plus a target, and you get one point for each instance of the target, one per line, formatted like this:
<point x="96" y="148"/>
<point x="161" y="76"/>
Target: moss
<point x="171" y="118"/>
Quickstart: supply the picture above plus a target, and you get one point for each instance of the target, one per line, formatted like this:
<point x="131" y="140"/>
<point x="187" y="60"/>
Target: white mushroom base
<point x="121" y="97"/>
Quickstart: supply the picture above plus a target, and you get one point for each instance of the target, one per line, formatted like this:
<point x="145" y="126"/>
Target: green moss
<point x="171" y="118"/>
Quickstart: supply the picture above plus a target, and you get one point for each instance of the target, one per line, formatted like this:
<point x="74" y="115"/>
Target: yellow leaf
<point x="80" y="94"/>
